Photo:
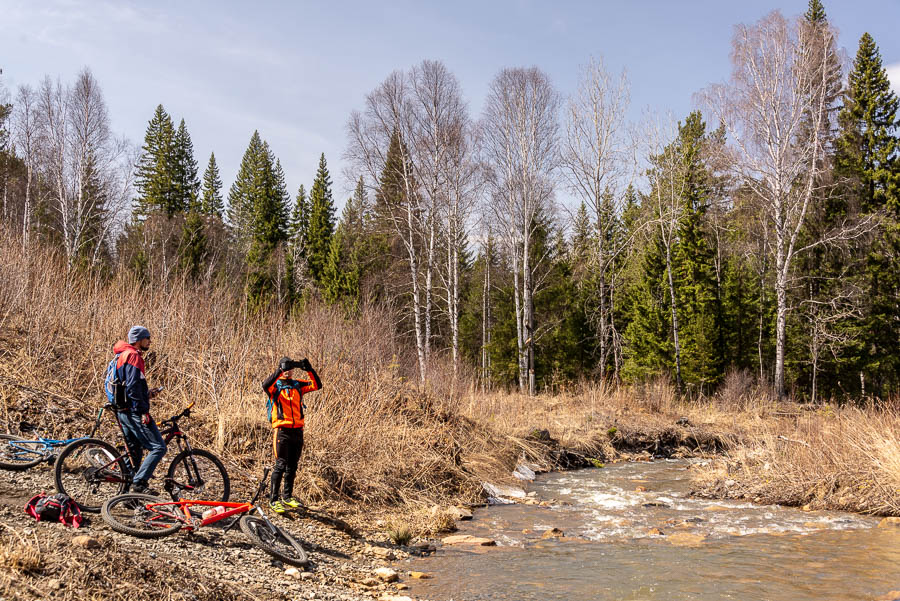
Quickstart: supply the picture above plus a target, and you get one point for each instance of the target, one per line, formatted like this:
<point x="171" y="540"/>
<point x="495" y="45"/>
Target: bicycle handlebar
<point x="174" y="418"/>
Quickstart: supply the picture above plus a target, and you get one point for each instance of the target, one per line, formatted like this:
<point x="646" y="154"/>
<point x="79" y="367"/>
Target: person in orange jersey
<point x="285" y="406"/>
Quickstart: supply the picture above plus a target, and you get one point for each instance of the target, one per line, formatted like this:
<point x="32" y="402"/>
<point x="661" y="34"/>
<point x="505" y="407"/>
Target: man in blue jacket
<point x="140" y="428"/>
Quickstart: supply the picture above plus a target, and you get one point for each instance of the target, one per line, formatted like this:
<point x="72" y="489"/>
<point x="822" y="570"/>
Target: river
<point x="633" y="533"/>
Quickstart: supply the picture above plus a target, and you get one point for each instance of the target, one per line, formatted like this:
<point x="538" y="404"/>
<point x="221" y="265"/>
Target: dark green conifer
<point x="186" y="184"/>
<point x="212" y="203"/>
<point x="244" y="190"/>
<point x="156" y="168"/>
<point x="868" y="164"/>
<point x="321" y="221"/>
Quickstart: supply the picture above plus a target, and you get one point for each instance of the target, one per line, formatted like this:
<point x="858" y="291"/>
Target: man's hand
<point x="146" y="419"/>
<point x="304" y="364"/>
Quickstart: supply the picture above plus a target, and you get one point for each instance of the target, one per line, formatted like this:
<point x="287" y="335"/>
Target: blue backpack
<point x="114" y="386"/>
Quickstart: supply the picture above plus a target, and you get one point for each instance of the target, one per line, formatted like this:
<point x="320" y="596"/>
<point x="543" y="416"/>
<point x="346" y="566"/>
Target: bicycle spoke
<point x="142" y="515"/>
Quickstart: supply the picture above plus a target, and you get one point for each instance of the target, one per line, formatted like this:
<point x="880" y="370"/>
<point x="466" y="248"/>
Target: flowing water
<point x="700" y="549"/>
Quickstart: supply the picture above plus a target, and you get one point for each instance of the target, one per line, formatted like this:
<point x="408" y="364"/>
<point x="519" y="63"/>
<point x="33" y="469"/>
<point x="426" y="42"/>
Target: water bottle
<point x="212" y="511"/>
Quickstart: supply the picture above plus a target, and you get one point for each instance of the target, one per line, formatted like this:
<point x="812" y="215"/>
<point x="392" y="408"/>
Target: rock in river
<point x="467" y="539"/>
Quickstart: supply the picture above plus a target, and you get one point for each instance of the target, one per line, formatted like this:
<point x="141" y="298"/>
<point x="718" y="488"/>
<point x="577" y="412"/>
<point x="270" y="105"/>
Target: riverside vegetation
<point x="381" y="452"/>
<point x="736" y="295"/>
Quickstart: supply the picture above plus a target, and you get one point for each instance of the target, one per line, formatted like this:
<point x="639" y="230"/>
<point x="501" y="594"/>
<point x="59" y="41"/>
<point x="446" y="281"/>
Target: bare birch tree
<point x="593" y="159"/>
<point x="25" y="134"/>
<point x="88" y="171"/>
<point x="520" y="133"/>
<point x="424" y="110"/>
<point x="440" y="140"/>
<point x="775" y="110"/>
<point x="387" y="119"/>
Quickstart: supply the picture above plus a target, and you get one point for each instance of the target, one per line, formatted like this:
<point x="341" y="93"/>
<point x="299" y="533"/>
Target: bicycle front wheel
<point x="90" y="471"/>
<point x="135" y="514"/>
<point x="273" y="540"/>
<point x="200" y="475"/>
<point x="18" y="454"/>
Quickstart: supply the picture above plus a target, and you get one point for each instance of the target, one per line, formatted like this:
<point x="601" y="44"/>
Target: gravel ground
<point x="342" y="561"/>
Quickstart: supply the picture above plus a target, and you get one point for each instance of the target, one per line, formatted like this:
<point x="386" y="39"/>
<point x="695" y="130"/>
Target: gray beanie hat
<point x="137" y="333"/>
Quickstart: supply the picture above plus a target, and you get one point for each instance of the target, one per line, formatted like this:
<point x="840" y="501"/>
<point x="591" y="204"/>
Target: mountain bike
<point x="146" y="516"/>
<point x="92" y="470"/>
<point x="18" y="453"/>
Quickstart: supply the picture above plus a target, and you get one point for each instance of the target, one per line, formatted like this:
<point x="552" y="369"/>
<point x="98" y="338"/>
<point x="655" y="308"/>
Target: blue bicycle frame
<point x="45" y="449"/>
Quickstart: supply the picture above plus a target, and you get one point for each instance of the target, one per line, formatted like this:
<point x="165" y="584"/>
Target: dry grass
<point x="372" y="438"/>
<point x="20" y="553"/>
<point x="829" y="458"/>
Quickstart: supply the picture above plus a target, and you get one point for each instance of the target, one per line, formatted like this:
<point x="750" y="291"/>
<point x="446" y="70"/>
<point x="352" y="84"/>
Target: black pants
<point x="288" y="443"/>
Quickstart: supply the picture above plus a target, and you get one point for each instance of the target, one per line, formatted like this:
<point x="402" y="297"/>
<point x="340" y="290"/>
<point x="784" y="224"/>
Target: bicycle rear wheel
<point x="200" y="475"/>
<point x="130" y="514"/>
<point x="19" y="454"/>
<point x="273" y="540"/>
<point x="90" y="471"/>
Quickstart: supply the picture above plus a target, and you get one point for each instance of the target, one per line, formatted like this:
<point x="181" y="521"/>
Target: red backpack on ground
<point x="55" y="507"/>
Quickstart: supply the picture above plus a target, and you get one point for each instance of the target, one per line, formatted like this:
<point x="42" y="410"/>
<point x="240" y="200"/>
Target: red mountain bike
<point x="145" y="516"/>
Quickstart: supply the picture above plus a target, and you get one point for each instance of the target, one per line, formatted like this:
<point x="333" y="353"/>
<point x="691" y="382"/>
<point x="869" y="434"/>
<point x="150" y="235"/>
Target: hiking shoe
<point x="143" y="488"/>
<point x="277" y="506"/>
<point x="292" y="503"/>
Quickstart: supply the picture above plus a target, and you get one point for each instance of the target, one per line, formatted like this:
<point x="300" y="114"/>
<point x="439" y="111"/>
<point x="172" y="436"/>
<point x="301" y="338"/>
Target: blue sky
<point x="294" y="71"/>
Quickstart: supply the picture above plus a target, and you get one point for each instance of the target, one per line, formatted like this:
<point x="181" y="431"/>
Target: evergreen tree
<point x="701" y="356"/>
<point x="156" y="168"/>
<point x="868" y="164"/>
<point x="187" y="186"/>
<point x="340" y="274"/>
<point x="258" y="216"/>
<point x="815" y="13"/>
<point x="282" y="193"/>
<point x="299" y="225"/>
<point x="648" y="350"/>
<point x="212" y="203"/>
<point x="868" y="145"/>
<point x="244" y="190"/>
<point x="321" y="221"/>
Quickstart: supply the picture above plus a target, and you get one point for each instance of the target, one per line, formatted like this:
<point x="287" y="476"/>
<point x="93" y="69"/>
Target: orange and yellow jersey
<point x="286" y="401"/>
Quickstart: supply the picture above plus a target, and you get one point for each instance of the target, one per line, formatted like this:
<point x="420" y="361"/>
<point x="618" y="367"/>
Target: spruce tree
<point x="321" y="221"/>
<point x="702" y="359"/>
<point x="299" y="225"/>
<point x="257" y="215"/>
<point x="867" y="162"/>
<point x="340" y="274"/>
<point x="241" y="196"/>
<point x="868" y="145"/>
<point x="815" y="13"/>
<point x="211" y="203"/>
<point x="156" y="168"/>
<point x="187" y="186"/>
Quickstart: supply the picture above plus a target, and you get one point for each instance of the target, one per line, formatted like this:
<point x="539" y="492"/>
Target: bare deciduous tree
<point x="593" y="159"/>
<point x="87" y="170"/>
<point x="25" y="134"/>
<point x="520" y="130"/>
<point x="423" y="108"/>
